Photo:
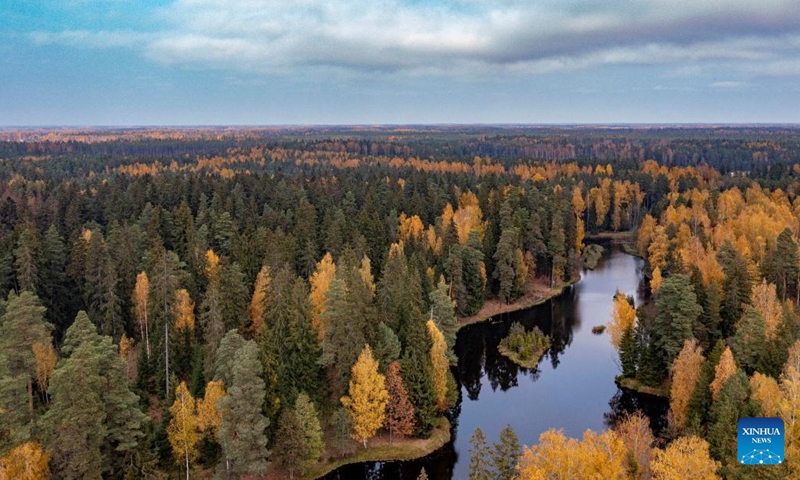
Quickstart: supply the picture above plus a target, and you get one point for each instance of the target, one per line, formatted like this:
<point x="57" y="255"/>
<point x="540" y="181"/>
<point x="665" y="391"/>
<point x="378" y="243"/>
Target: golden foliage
<point x="440" y="365"/>
<point x="208" y="417"/>
<point x="182" y="431"/>
<point x="141" y="294"/>
<point x="212" y="266"/>
<point x="635" y="433"/>
<point x="765" y="300"/>
<point x="766" y="393"/>
<point x="320" y="281"/>
<point x="126" y="353"/>
<point x="622" y="317"/>
<point x="46" y="358"/>
<point x="258" y="304"/>
<point x="685" y="374"/>
<point x="366" y="273"/>
<point x="656" y="281"/>
<point x="468" y="217"/>
<point x="724" y="370"/>
<point x="558" y="457"/>
<point x="183" y="310"/>
<point x="410" y="227"/>
<point x="686" y="457"/>
<point x="28" y="461"/>
<point x="367" y="399"/>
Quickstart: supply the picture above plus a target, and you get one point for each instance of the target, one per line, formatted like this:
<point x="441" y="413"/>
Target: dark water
<point x="572" y="388"/>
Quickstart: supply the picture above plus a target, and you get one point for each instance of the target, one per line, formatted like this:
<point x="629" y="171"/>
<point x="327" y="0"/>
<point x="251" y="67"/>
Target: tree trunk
<point x="166" y="352"/>
<point x="30" y="398"/>
<point x="187" y="464"/>
<point x="146" y="334"/>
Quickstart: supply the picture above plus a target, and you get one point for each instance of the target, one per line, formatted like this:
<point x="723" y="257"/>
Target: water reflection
<point x="572" y="388"/>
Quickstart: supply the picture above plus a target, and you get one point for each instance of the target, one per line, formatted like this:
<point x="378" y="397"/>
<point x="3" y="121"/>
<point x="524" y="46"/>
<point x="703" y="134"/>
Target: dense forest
<point x="254" y="302"/>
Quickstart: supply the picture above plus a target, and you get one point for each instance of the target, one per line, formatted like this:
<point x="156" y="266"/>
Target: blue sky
<point x="209" y="62"/>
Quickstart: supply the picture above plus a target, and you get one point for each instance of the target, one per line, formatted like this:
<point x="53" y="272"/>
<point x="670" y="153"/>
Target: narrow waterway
<point x="572" y="388"/>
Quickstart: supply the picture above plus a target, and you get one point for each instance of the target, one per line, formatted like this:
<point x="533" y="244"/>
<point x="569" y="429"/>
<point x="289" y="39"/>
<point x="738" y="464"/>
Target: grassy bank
<point x="379" y="450"/>
<point x="535" y="294"/>
<point x="635" y="385"/>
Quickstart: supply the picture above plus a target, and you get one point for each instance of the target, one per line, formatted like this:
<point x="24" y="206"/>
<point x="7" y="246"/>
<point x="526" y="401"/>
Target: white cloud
<point x="461" y="36"/>
<point x="729" y="84"/>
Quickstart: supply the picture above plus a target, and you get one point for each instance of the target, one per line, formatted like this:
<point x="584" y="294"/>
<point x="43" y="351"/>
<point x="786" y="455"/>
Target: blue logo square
<point x="760" y="441"/>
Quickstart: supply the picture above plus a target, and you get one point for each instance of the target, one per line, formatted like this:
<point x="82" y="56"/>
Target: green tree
<point x="473" y="274"/>
<point x="225" y="361"/>
<point x="506" y="454"/>
<point x="419" y="384"/>
<point x="444" y="316"/>
<point x="387" y="346"/>
<point x="781" y="263"/>
<point x="311" y="430"/>
<point x="629" y="352"/>
<point x="27" y="259"/>
<point x="21" y="326"/>
<point x="344" y="337"/>
<point x="736" y="288"/>
<point x="241" y="435"/>
<point x="290" y="442"/>
<point x="480" y="467"/>
<point x="506" y="265"/>
<point x="749" y="344"/>
<point x="677" y="313"/>
<point x="732" y="404"/>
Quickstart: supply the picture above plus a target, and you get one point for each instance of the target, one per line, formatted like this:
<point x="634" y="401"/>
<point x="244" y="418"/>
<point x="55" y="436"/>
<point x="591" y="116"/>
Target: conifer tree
<point x="423" y="475"/>
<point x="22" y="325"/>
<point x="241" y="434"/>
<point x="225" y="361"/>
<point x="629" y="353"/>
<point x="399" y="411"/>
<point x="367" y="399"/>
<point x="343" y="337"/>
<point x="311" y="430"/>
<point x="419" y="384"/>
<point x="678" y="312"/>
<point x="749" y="344"/>
<point x="444" y="315"/>
<point x="480" y="462"/>
<point x="387" y="346"/>
<point x="27" y="259"/>
<point x="506" y="454"/>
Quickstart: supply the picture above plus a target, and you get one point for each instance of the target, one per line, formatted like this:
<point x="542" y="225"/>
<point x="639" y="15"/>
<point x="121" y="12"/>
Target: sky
<point x="270" y="62"/>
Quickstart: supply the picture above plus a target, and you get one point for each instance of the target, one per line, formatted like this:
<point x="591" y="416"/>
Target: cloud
<point x="728" y="84"/>
<point x="459" y="36"/>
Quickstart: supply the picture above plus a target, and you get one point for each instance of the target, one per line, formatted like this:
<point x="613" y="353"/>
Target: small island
<point x="524" y="348"/>
<point x="591" y="256"/>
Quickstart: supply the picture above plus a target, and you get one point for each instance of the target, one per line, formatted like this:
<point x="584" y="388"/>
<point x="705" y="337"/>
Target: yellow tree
<point x="659" y="248"/>
<point x="557" y="457"/>
<point x="724" y="370"/>
<point x="622" y="317"/>
<point x="468" y="217"/>
<point x="765" y="300"/>
<point x="141" y="296"/>
<point x="686" y="457"/>
<point x="366" y="273"/>
<point x="367" y="399"/>
<point x="790" y="406"/>
<point x="440" y="365"/>
<point x="183" y="310"/>
<point x="578" y="207"/>
<point x="656" y="281"/>
<point x="258" y="304"/>
<point x="644" y="234"/>
<point x="183" y="430"/>
<point x="685" y="374"/>
<point x="320" y="283"/>
<point x="635" y="433"/>
<point x="25" y="462"/>
<point x="126" y="353"/>
<point x="209" y="418"/>
<point x="46" y="358"/>
<point x="767" y="394"/>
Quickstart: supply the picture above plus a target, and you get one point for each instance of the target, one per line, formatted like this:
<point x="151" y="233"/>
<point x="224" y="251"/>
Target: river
<point x="572" y="388"/>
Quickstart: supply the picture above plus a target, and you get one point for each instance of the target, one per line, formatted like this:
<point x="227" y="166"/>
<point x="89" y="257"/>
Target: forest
<point x="256" y="303"/>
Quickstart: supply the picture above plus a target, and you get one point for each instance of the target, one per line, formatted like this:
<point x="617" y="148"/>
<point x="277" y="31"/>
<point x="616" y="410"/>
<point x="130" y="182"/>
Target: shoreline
<point x="408" y="449"/>
<point x="493" y="308"/>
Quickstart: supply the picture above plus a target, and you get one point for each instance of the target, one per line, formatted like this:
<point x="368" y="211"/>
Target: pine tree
<point x="423" y="475"/>
<point x="419" y="384"/>
<point x="736" y="288"/>
<point x="367" y="397"/>
<point x="343" y="337"/>
<point x="309" y="426"/>
<point x="241" y="433"/>
<point x="506" y="454"/>
<point x="183" y="429"/>
<point x="27" y="259"/>
<point x="629" y="353"/>
<point x="22" y="325"/>
<point x="76" y="416"/>
<point x="225" y="361"/>
<point x="749" y="344"/>
<point x="290" y="442"/>
<point x="678" y="312"/>
<point x="444" y="315"/>
<point x="506" y="265"/>
<point x="781" y="264"/>
<point x="52" y="279"/>
<point x="399" y="411"/>
<point x="387" y="346"/>
<point x="480" y="463"/>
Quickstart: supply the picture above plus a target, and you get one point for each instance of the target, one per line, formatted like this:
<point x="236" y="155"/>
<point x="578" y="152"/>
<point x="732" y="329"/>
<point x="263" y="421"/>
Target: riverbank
<point x="637" y="386"/>
<point x="380" y="450"/>
<point x="536" y="293"/>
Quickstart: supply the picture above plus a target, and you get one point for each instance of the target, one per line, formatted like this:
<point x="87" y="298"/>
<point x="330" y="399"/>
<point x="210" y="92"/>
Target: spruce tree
<point x="387" y="347"/>
<point x="419" y="385"/>
<point x="241" y="435"/>
<point x="749" y="344"/>
<point x="628" y="352"/>
<point x="308" y="423"/>
<point x="473" y="274"/>
<point x="480" y="466"/>
<point x="444" y="315"/>
<point x="678" y="312"/>
<point x="290" y="442"/>
<point x="506" y="454"/>
<point x="343" y="340"/>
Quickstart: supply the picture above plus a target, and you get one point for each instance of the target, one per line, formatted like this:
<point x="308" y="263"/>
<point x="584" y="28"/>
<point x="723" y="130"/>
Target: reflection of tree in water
<point x="470" y="348"/>
<point x="627" y="401"/>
